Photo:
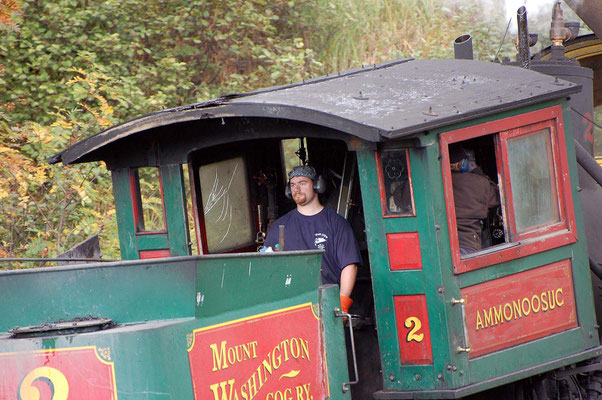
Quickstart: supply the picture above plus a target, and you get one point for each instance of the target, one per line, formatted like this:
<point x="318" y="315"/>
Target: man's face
<point x="302" y="189"/>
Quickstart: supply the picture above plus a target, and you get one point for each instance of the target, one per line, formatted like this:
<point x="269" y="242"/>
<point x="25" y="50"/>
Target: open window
<point x="395" y="183"/>
<point x="147" y="195"/>
<point x="525" y="157"/>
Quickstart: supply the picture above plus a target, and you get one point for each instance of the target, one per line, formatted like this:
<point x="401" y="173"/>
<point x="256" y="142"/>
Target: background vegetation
<point x="70" y="68"/>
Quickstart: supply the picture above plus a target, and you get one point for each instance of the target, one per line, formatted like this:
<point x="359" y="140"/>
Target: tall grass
<point x="355" y="32"/>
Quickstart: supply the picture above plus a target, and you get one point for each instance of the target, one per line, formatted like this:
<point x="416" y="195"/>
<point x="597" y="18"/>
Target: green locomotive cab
<point x="200" y="314"/>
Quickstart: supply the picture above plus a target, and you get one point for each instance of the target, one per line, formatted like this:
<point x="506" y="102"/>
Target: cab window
<point x="225" y="199"/>
<point x="524" y="159"/>
<point x="149" y="213"/>
<point x="395" y="183"/>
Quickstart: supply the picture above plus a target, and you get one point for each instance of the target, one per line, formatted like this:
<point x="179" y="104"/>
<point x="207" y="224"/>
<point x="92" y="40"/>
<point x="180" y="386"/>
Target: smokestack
<point x="463" y="47"/>
<point x="522" y="41"/>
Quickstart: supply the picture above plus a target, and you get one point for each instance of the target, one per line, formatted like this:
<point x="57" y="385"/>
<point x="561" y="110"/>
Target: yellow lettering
<point x="497" y="313"/>
<point x="243" y="392"/>
<point x="252" y="385"/>
<point x="560" y="304"/>
<point x="544" y="302"/>
<point x="254" y="347"/>
<point x="295" y="348"/>
<point x="222" y="386"/>
<point x="510" y="308"/>
<point x="552" y="299"/>
<point x="53" y="377"/>
<point x="488" y="318"/>
<point x="231" y="355"/>
<point x="305" y="349"/>
<point x="528" y="310"/>
<point x="517" y="310"/>
<point x="267" y="365"/>
<point x="219" y="358"/>
<point x="246" y="350"/>
<point x="300" y="394"/>
<point x="535" y="310"/>
<point x="285" y="344"/>
<point x="306" y="388"/>
<point x="279" y="358"/>
<point x="479" y="321"/>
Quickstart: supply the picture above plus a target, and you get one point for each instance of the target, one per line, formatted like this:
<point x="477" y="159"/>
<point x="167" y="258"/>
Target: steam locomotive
<point x="516" y="319"/>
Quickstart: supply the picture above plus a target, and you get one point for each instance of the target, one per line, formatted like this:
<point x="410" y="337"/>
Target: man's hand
<point x="346" y="302"/>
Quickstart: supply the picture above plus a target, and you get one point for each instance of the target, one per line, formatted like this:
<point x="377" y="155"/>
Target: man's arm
<point x="348" y="275"/>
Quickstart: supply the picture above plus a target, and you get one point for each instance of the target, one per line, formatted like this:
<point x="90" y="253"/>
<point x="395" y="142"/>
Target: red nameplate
<point x="277" y="355"/>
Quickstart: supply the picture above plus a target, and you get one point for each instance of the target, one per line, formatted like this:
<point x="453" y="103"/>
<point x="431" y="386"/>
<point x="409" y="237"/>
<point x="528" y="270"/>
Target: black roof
<point x="376" y="103"/>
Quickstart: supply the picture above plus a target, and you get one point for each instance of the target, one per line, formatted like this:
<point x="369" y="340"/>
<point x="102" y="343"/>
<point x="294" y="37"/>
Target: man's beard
<point x="300" y="198"/>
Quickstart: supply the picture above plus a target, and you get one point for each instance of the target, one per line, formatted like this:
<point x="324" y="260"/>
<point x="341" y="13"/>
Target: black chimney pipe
<point x="463" y="47"/>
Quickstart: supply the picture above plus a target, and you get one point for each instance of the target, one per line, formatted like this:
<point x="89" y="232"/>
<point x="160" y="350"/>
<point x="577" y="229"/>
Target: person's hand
<point x="346" y="302"/>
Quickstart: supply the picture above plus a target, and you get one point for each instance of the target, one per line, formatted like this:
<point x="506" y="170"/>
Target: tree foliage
<point x="70" y="68"/>
<point x="179" y="53"/>
<point x="48" y="209"/>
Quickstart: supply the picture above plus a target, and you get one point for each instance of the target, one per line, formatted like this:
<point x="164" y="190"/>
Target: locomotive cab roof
<point x="373" y="104"/>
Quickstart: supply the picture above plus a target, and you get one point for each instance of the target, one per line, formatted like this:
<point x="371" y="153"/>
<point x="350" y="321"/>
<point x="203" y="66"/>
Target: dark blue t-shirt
<point x="325" y="230"/>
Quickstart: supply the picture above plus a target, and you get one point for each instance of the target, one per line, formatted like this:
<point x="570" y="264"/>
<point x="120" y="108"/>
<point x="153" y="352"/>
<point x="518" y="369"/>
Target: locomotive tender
<point x="513" y="320"/>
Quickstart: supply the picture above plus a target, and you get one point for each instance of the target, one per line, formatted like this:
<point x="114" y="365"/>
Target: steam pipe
<point x="463" y="47"/>
<point x="522" y="46"/>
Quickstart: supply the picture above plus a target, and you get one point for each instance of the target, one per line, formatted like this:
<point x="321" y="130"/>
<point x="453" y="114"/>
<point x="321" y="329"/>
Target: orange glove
<point x="346" y="302"/>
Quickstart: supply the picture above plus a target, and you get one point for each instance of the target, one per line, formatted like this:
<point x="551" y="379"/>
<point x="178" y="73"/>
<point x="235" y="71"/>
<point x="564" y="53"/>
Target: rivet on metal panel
<point x="430" y="112"/>
<point x="437" y="227"/>
<point x="449" y="367"/>
<point x="440" y="376"/>
<point x="392" y="377"/>
<point x="441" y="290"/>
<point x="361" y="97"/>
<point x="418" y="377"/>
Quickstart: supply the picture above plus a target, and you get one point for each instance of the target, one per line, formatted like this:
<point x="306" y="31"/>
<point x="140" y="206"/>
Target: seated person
<point x="474" y="195"/>
<point x="313" y="226"/>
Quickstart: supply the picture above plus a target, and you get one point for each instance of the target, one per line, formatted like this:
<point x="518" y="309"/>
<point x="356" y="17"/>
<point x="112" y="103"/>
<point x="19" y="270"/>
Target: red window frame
<point x="381" y="185"/>
<point x="536" y="239"/>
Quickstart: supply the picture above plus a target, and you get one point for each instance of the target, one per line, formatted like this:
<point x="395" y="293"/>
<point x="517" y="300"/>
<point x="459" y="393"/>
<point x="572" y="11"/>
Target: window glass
<point x="293" y="153"/>
<point x="225" y="195"/>
<point x="152" y="217"/>
<point x="396" y="185"/>
<point x="534" y="194"/>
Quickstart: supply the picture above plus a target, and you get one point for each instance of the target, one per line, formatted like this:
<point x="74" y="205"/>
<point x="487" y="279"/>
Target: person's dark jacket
<point x="474" y="195"/>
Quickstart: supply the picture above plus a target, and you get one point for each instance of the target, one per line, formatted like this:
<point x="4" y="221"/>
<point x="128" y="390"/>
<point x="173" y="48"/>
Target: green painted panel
<point x="334" y="341"/>
<point x="407" y="282"/>
<point x="128" y="292"/>
<point x="175" y="209"/>
<point x="256" y="279"/>
<point x="158" y="304"/>
<point x="526" y="355"/>
<point x="152" y="241"/>
<point x="401" y="224"/>
<point x="124" y="213"/>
